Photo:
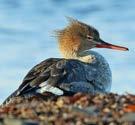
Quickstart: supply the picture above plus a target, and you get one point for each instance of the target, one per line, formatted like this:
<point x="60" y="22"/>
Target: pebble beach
<point x="79" y="109"/>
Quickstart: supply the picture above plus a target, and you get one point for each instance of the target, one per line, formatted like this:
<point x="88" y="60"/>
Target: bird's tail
<point x="9" y="98"/>
<point x="17" y="93"/>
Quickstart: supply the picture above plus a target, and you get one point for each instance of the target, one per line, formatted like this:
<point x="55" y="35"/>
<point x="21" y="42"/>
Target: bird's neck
<point x="84" y="56"/>
<point x="71" y="47"/>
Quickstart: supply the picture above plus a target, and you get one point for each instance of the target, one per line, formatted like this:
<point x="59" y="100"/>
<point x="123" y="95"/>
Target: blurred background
<point x="26" y="36"/>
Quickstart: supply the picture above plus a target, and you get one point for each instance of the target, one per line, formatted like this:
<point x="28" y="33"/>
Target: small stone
<point x="106" y="110"/>
<point x="60" y="103"/>
<point x="112" y="123"/>
<point x="114" y="106"/>
<point x="78" y="123"/>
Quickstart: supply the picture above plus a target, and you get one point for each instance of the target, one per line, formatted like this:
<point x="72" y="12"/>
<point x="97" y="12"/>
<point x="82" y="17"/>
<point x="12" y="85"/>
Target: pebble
<point x="79" y="109"/>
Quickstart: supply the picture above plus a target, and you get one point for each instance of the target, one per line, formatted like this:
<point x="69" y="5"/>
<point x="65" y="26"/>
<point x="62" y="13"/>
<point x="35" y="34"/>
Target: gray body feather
<point x="60" y="76"/>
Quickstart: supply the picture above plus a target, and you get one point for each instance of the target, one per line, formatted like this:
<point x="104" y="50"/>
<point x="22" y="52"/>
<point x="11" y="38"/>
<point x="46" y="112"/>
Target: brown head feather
<point x="71" y="39"/>
<point x="78" y="37"/>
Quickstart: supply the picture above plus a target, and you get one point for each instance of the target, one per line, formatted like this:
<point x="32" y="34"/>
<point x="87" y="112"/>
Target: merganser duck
<point x="80" y="69"/>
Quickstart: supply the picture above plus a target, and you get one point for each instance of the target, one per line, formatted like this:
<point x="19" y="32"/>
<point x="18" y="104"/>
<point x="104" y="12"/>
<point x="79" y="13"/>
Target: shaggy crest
<point x="76" y="26"/>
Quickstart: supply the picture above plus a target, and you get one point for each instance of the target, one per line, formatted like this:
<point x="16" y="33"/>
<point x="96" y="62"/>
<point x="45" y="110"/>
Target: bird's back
<point x="61" y="73"/>
<point x="99" y="70"/>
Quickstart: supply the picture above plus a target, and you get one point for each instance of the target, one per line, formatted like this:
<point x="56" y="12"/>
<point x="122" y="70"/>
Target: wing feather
<point x="37" y="75"/>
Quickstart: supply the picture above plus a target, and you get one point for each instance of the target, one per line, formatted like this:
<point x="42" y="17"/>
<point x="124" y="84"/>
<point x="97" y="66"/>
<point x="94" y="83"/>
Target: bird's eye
<point x="89" y="37"/>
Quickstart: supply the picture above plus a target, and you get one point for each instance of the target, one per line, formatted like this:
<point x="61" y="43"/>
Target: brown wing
<point x="37" y="75"/>
<point x="50" y="70"/>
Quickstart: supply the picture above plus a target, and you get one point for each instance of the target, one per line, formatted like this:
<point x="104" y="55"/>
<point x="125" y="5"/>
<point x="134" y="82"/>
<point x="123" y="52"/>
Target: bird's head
<point x="78" y="37"/>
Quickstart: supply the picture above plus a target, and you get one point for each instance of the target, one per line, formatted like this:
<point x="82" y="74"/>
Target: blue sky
<point x="26" y="36"/>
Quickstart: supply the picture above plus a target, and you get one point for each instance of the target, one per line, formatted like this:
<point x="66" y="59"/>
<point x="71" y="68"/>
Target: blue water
<point x="26" y="36"/>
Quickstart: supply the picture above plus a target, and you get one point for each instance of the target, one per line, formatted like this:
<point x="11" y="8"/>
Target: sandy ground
<point x="79" y="109"/>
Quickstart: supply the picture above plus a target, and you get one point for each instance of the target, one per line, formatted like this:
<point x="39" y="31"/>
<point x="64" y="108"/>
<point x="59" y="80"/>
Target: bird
<point x="79" y="70"/>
